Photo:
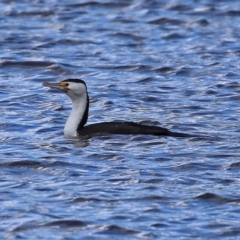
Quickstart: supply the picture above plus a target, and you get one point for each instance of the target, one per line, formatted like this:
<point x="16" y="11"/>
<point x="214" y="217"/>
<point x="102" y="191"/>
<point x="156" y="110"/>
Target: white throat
<point x="75" y="117"/>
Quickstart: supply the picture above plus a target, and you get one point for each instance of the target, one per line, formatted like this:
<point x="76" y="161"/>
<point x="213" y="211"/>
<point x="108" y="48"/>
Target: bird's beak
<point x="58" y="86"/>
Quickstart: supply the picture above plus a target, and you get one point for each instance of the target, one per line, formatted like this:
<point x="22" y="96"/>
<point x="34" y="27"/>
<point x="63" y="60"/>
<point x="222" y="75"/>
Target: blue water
<point x="168" y="63"/>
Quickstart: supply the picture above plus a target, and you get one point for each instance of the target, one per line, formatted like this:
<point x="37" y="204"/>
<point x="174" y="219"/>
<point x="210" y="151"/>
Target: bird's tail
<point x="177" y="134"/>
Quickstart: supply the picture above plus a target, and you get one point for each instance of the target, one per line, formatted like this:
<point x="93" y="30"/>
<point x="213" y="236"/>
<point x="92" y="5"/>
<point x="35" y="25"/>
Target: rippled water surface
<point x="169" y="63"/>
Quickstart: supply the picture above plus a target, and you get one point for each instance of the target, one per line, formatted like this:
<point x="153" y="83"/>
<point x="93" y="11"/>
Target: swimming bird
<point x="76" y="89"/>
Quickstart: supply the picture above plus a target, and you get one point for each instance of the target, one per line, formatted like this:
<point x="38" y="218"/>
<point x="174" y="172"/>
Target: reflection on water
<point x="171" y="64"/>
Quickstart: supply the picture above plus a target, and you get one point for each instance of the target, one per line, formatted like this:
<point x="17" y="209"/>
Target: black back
<point x="127" y="128"/>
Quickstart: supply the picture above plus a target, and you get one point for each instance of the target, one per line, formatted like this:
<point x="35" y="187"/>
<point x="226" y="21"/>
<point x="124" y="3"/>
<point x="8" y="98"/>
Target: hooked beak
<point x="56" y="86"/>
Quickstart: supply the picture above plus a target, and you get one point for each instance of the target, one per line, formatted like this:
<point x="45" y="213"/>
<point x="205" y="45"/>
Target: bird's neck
<point x="77" y="118"/>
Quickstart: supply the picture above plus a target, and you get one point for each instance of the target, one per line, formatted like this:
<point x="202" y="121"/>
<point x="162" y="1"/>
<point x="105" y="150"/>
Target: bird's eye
<point x="64" y="84"/>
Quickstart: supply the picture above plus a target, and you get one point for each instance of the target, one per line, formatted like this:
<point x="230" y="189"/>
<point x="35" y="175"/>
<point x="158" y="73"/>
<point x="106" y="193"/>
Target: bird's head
<point x="74" y="88"/>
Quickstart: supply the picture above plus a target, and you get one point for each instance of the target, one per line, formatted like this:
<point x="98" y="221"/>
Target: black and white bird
<point x="76" y="89"/>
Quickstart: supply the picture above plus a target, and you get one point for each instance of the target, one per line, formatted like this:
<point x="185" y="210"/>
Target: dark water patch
<point x="191" y="92"/>
<point x="154" y="198"/>
<point x="26" y="64"/>
<point x="193" y="107"/>
<point x="159" y="225"/>
<point x="66" y="224"/>
<point x="163" y="69"/>
<point x="23" y="164"/>
<point x="222" y="156"/>
<point x="127" y="36"/>
<point x="167" y="21"/>
<point x="232" y="232"/>
<point x="121" y="19"/>
<point x="46" y="164"/>
<point x="86" y="200"/>
<point x="196" y="166"/>
<point x="184" y="71"/>
<point x="235" y="165"/>
<point x="43" y="189"/>
<point x="145" y="80"/>
<point x="150" y="99"/>
<point x="211" y="92"/>
<point x="211" y="197"/>
<point x="153" y="181"/>
<point x="99" y="4"/>
<point x="69" y="42"/>
<point x="203" y="22"/>
<point x="232" y="75"/>
<point x="32" y="13"/>
<point x="180" y="7"/>
<point x="218" y="225"/>
<point x="229" y="85"/>
<point x="148" y="141"/>
<point x="106" y="199"/>
<point x="58" y="224"/>
<point x="232" y="13"/>
<point x="224" y="181"/>
<point x="173" y="36"/>
<point x="117" y="230"/>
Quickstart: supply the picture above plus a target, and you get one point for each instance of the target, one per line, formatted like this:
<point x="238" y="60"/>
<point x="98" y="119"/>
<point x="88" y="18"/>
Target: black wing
<point x="126" y="128"/>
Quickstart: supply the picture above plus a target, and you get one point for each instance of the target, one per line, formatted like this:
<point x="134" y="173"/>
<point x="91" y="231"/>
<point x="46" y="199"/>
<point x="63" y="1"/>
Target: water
<point x="171" y="63"/>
